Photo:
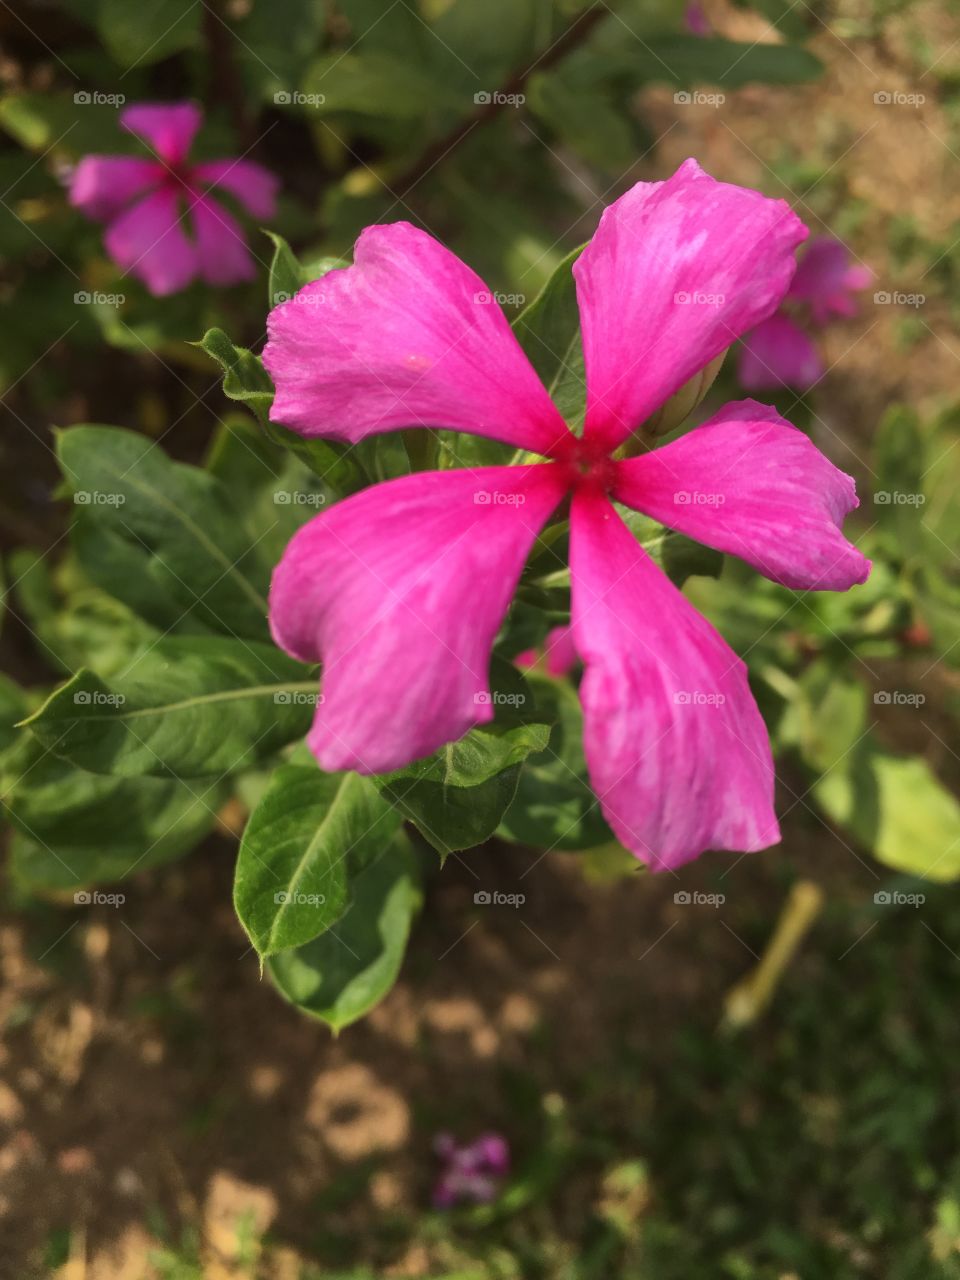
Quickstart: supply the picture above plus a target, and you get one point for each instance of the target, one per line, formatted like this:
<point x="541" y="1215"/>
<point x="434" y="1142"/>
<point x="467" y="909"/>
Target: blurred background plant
<point x="821" y="1138"/>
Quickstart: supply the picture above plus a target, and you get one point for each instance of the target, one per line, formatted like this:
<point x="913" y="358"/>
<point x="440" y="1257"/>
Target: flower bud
<point x="683" y="402"/>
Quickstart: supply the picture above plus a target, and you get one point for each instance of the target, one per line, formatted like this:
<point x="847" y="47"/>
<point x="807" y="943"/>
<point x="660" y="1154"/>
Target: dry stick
<point x="574" y="35"/>
<point x="748" y="999"/>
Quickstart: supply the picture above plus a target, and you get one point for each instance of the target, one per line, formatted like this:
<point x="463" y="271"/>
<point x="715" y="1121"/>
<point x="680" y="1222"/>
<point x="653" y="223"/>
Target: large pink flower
<point x="161" y="224"/>
<point x="400" y="590"/>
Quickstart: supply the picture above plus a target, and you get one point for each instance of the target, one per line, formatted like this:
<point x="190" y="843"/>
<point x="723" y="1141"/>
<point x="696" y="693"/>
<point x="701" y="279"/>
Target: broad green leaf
<point x="288" y="274"/>
<point x="375" y="83"/>
<point x="554" y="806"/>
<point x="831" y="708"/>
<point x="76" y="624"/>
<point x="275" y="42"/>
<point x="308" y="835"/>
<point x="341" y="975"/>
<point x="46" y="121"/>
<point x="457" y="796"/>
<point x="585" y="119"/>
<point x="188" y="706"/>
<point x="179" y="520"/>
<point x="548" y="330"/>
<point x="896" y="807"/>
<point x="688" y="60"/>
<point x="139" y="34"/>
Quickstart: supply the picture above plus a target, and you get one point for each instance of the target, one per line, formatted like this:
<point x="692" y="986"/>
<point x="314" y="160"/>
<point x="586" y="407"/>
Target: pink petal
<point x="676" y="748"/>
<point x="149" y="241"/>
<point x="399" y="591"/>
<point x="407" y="336"/>
<point x="223" y="255"/>
<point x="103" y="185"/>
<point x="825" y="280"/>
<point x="169" y="128"/>
<point x="676" y="271"/>
<point x="750" y="484"/>
<point x="559" y="656"/>
<point x="251" y="184"/>
<point x="777" y="354"/>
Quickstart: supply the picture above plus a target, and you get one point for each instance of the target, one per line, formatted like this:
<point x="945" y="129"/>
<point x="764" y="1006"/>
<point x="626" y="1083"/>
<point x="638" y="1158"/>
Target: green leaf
<point x="687" y="60"/>
<point x="548" y="330"/>
<point x="188" y="706"/>
<point x="137" y="35"/>
<point x="179" y="525"/>
<point x="896" y="807"/>
<point x="587" y="120"/>
<point x="246" y="381"/>
<point x="244" y="377"/>
<point x="341" y="975"/>
<point x="309" y="833"/>
<point x="457" y="796"/>
<point x="554" y="806"/>
<point x="374" y="83"/>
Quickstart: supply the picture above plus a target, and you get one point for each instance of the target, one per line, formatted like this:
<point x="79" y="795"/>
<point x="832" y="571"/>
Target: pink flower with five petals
<point x="400" y="590"/>
<point x="150" y="205"/>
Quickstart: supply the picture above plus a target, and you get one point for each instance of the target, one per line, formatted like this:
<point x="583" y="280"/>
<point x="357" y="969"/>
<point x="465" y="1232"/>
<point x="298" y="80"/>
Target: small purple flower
<point x="472" y="1172"/>
<point x="149" y="206"/>
<point x="779" y="352"/>
<point x="696" y="21"/>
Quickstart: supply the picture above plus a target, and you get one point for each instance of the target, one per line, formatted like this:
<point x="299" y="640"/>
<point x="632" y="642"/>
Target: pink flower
<point x="779" y="352"/>
<point x="470" y="1172"/>
<point x="148" y="205"/>
<point x="400" y="590"/>
<point x="696" y="21"/>
<point x="559" y="656"/>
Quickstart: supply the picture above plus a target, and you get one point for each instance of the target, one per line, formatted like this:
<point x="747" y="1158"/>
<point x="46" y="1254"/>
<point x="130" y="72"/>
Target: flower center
<point x="590" y="469"/>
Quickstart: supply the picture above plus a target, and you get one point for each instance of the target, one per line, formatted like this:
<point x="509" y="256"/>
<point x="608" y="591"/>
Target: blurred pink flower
<point x="780" y="352"/>
<point x="470" y="1173"/>
<point x="696" y="21"/>
<point x="559" y="657"/>
<point x="400" y="590"/>
<point x="149" y="205"/>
